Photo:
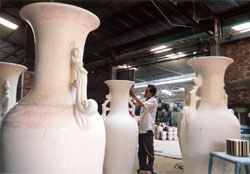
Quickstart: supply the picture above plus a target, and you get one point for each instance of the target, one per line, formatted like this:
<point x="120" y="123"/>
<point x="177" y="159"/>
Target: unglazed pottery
<point x="206" y="122"/>
<point x="121" y="130"/>
<point x="55" y="129"/>
<point x="9" y="75"/>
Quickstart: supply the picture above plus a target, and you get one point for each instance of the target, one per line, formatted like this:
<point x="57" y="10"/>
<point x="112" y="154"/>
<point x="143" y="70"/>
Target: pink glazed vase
<point x="55" y="128"/>
<point x="9" y="75"/>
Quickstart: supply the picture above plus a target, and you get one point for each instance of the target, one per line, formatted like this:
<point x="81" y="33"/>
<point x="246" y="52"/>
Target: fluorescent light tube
<point x="242" y="27"/>
<point x="158" y="48"/>
<point x="163" y="50"/>
<point x="8" y="24"/>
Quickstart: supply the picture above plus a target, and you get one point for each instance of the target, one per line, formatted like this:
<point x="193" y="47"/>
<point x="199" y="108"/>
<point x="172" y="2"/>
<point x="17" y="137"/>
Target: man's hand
<point x="132" y="92"/>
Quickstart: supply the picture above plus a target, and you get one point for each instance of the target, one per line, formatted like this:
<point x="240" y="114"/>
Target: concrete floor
<point x="169" y="165"/>
<point x="164" y="165"/>
<point x="168" y="161"/>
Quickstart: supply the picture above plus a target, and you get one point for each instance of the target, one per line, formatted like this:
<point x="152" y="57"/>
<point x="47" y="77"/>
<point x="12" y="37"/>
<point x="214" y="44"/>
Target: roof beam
<point x="183" y="12"/>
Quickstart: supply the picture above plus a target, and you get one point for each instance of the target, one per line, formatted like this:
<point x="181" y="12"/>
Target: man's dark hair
<point x="152" y="89"/>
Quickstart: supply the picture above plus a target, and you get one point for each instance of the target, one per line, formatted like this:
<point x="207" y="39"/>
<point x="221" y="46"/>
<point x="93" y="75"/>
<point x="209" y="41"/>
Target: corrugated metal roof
<point x="130" y="28"/>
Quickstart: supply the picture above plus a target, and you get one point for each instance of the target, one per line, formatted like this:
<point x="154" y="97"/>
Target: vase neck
<point x="119" y="90"/>
<point x="53" y="83"/>
<point x="119" y="102"/>
<point x="53" y="69"/>
<point x="60" y="32"/>
<point x="210" y="71"/>
<point x="212" y="89"/>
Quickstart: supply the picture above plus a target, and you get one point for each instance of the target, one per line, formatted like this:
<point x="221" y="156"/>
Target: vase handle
<point x="6" y="98"/>
<point x="105" y="109"/>
<point x="192" y="100"/>
<point x="83" y="107"/>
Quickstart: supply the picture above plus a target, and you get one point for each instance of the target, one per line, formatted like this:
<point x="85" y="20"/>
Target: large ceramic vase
<point x="55" y="128"/>
<point x="121" y="130"/>
<point x="206" y="122"/>
<point x="9" y="75"/>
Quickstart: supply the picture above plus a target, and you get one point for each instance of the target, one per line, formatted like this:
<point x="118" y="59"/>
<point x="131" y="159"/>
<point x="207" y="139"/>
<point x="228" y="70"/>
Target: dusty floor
<point x="171" y="162"/>
<point x="165" y="165"/>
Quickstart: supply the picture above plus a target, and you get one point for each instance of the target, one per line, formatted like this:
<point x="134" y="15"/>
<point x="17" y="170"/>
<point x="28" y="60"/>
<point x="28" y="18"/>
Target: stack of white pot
<point x="175" y="133"/>
<point x="163" y="132"/>
<point x="163" y="135"/>
<point x="172" y="133"/>
<point x="158" y="130"/>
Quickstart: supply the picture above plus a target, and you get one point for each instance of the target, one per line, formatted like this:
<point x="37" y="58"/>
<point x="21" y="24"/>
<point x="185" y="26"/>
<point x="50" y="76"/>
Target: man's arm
<point x="133" y="94"/>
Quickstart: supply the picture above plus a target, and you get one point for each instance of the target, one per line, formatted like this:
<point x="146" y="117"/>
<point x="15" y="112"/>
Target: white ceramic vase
<point x="55" y="128"/>
<point x="9" y="75"/>
<point x="121" y="130"/>
<point x="206" y="122"/>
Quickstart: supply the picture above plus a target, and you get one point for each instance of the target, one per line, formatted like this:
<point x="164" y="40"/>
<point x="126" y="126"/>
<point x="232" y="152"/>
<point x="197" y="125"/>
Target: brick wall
<point x="237" y="76"/>
<point x="24" y="87"/>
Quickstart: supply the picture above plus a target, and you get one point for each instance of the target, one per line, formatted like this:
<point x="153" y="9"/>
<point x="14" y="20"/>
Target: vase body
<point x="55" y="128"/>
<point x="9" y="75"/>
<point x="121" y="130"/>
<point x="206" y="122"/>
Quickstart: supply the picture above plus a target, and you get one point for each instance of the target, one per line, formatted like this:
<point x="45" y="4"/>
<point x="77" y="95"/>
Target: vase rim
<point x="81" y="16"/>
<point x="212" y="57"/>
<point x="14" y="64"/>
<point x="115" y="80"/>
<point x="206" y="60"/>
<point x="127" y="83"/>
<point x="202" y="57"/>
